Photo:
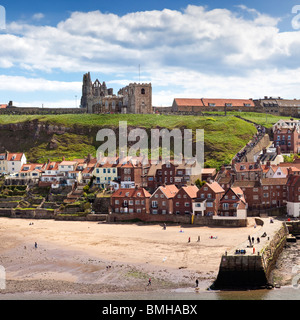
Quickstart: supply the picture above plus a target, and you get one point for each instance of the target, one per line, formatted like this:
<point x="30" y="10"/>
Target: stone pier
<point x="249" y="266"/>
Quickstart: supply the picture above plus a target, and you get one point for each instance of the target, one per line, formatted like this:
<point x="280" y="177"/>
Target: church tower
<point x="87" y="90"/>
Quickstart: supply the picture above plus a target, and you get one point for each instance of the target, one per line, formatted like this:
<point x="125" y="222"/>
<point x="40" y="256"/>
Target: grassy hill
<point x="224" y="136"/>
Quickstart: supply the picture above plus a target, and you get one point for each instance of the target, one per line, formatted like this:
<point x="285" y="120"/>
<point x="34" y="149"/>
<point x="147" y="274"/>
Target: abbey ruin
<point x="97" y="98"/>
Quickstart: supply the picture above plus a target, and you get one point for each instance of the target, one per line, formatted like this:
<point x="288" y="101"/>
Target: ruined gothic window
<point x="143" y="91"/>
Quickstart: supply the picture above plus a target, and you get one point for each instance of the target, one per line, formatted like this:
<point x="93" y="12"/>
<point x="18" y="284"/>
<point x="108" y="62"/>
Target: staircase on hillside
<point x="75" y="194"/>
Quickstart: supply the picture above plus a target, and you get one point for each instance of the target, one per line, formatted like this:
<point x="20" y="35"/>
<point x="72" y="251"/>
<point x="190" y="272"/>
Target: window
<point x="186" y="204"/>
<point x="154" y="204"/>
<point x="209" y="204"/>
<point x="225" y="206"/>
<point x="143" y="91"/>
<point x="177" y="204"/>
<point x="266" y="195"/>
<point x="116" y="201"/>
<point x="131" y="202"/>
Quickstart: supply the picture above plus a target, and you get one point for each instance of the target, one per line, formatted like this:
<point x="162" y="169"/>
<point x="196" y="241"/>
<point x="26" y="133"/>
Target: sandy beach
<point x="91" y="257"/>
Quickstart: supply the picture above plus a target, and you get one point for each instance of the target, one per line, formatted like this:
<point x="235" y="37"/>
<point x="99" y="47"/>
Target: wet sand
<point x="91" y="257"/>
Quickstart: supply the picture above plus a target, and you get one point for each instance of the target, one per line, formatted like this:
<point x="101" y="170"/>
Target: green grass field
<point x="224" y="136"/>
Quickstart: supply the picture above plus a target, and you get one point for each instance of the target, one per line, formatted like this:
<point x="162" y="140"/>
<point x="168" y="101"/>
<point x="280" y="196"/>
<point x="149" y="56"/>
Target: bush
<point x="86" y="189"/>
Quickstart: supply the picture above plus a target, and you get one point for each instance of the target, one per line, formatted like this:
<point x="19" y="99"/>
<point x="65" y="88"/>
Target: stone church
<point x="97" y="98"/>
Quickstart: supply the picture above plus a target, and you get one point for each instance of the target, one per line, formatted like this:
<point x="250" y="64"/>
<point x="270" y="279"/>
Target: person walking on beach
<point x="197" y="283"/>
<point x="35" y="245"/>
<point x="149" y="282"/>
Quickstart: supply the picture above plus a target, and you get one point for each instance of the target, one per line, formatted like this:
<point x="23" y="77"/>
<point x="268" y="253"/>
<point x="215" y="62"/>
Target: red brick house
<point x="287" y="139"/>
<point x="132" y="172"/>
<point x="133" y="200"/>
<point x="293" y="196"/>
<point x="233" y="204"/>
<point x="161" y="201"/>
<point x="183" y="200"/>
<point x="252" y="192"/>
<point x="273" y="192"/>
<point x="170" y="173"/>
<point x="251" y="171"/>
<point x="208" y="199"/>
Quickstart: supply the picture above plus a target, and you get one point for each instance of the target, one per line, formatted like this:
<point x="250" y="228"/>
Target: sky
<point x="186" y="49"/>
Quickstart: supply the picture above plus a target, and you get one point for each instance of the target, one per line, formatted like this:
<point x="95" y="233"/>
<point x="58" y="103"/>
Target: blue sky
<point x="214" y="49"/>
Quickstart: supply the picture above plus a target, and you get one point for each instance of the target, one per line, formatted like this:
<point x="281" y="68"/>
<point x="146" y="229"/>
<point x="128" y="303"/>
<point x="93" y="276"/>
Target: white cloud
<point x="190" y="52"/>
<point x="23" y="84"/>
<point x="38" y="16"/>
<point x="47" y="104"/>
<point x="99" y="41"/>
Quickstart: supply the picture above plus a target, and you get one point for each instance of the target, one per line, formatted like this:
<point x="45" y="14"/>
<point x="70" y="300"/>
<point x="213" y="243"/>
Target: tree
<point x="199" y="183"/>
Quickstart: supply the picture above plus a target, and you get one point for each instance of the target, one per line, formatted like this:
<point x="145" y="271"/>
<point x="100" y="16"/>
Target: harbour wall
<point x="252" y="270"/>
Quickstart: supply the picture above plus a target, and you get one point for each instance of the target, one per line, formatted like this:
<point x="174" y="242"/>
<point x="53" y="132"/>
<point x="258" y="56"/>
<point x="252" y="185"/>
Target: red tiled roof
<point x="223" y="102"/>
<point x="169" y="190"/>
<point x="215" y="187"/>
<point x="32" y="167"/>
<point x="132" y="193"/>
<point x="189" y="102"/>
<point x="3" y="106"/>
<point x="237" y="190"/>
<point x="274" y="181"/>
<point x="52" y="166"/>
<point x="17" y="156"/>
<point x="248" y="166"/>
<point x="293" y="180"/>
<point x="191" y="191"/>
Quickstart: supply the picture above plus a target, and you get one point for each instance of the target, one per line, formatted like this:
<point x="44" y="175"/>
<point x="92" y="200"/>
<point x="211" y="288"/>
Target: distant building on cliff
<point x="134" y="98"/>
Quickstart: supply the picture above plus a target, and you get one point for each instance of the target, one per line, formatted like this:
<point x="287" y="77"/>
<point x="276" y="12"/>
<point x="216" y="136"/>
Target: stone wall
<point x="251" y="271"/>
<point x="19" y="111"/>
<point x="173" y="218"/>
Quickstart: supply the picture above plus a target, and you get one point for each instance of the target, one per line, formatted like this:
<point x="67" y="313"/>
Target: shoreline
<point x="92" y="258"/>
